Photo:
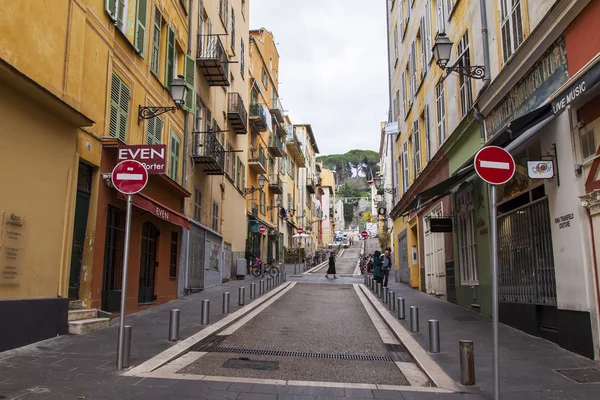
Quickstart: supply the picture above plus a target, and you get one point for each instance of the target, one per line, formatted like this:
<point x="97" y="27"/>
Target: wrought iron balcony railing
<point x="208" y="151"/>
<point x="236" y="113"/>
<point x="213" y="60"/>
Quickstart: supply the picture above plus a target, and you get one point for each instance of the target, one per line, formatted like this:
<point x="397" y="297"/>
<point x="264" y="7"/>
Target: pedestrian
<point x="377" y="267"/>
<point x="331" y="269"/>
<point x="249" y="256"/>
<point x="386" y="266"/>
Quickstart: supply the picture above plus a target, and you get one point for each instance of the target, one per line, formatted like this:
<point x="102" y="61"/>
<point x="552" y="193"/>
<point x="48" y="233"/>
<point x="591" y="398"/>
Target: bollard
<point x="401" y="310"/>
<point x="434" y="336"/>
<point x="174" y="325"/>
<point x="261" y="287"/>
<point x="126" y="346"/>
<point x="414" y="319"/>
<point x="268" y="284"/>
<point x="285" y="276"/>
<point x="373" y="286"/>
<point x="369" y="280"/>
<point x="295" y="269"/>
<point x="379" y="289"/>
<point x="392" y="300"/>
<point x="386" y="293"/>
<point x="277" y="281"/>
<point x="226" y="303"/>
<point x="252" y="291"/>
<point x="467" y="362"/>
<point x="205" y="313"/>
<point x="241" y="295"/>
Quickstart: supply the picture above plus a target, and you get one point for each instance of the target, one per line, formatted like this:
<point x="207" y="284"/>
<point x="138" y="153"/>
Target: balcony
<point x="209" y="152"/>
<point x="277" y="110"/>
<point x="275" y="184"/>
<point x="259" y="117"/>
<point x="310" y="185"/>
<point x="275" y="145"/>
<point x="258" y="161"/>
<point x="294" y="147"/>
<point x="237" y="116"/>
<point x="212" y="60"/>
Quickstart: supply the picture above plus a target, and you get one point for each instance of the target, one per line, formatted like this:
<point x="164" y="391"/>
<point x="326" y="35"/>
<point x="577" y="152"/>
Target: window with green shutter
<point x="116" y="9"/>
<point x="119" y="108"/>
<point x="174" y="149"/>
<point x="170" y="64"/>
<point x="140" y="26"/>
<point x="243" y="168"/>
<point x="155" y="61"/>
<point x="154" y="131"/>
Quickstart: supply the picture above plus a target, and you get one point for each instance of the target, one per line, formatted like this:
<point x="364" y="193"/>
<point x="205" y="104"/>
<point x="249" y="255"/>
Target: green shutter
<point x="123" y="111"/>
<point x="174" y="156"/>
<point x="155" y="62"/>
<point x="190" y="100"/>
<point x="154" y="131"/>
<point x="150" y="129"/>
<point x="111" y="8"/>
<point x="189" y="68"/>
<point x="140" y="26"/>
<point x="119" y="108"/>
<point x="243" y="177"/>
<point x="170" y="58"/>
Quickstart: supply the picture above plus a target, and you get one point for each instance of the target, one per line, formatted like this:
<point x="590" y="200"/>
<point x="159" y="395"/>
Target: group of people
<point x="382" y="264"/>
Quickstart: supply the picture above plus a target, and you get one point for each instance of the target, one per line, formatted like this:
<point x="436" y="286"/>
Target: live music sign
<point x="152" y="156"/>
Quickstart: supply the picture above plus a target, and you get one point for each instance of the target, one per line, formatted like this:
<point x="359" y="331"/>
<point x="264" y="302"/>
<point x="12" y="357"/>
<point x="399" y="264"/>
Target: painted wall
<point x="583" y="43"/>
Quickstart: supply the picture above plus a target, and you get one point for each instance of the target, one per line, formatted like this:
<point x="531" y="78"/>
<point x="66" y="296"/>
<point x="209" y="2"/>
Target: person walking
<point x="249" y="256"/>
<point x="331" y="269"/>
<point x="386" y="266"/>
<point x="377" y="267"/>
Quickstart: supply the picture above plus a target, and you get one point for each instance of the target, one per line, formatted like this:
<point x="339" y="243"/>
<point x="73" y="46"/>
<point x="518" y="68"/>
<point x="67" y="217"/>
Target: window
<point x="174" y="251"/>
<point x="401" y="26"/>
<point x="223" y="7"/>
<point x="242" y="61"/>
<point x="395" y="45"/>
<point x="396" y="110"/>
<point x="117" y="11"/>
<point x="464" y="59"/>
<point x="263" y="202"/>
<point x="238" y="178"/>
<point x="424" y="50"/>
<point x="441" y="21"/>
<point x="425" y="118"/>
<point x="449" y="4"/>
<point x="139" y="41"/>
<point x="466" y="238"/>
<point x="290" y="204"/>
<point x="403" y="88"/>
<point x="406" y="12"/>
<point x="227" y="155"/>
<point x="119" y="108"/>
<point x="412" y="65"/>
<point x="405" y="168"/>
<point x="428" y="32"/>
<point x="174" y="151"/>
<point x="232" y="30"/>
<point x="416" y="139"/>
<point x="155" y="56"/>
<point x="265" y="78"/>
<point x="512" y="26"/>
<point x="197" y="204"/>
<point x="170" y="67"/>
<point x="588" y="144"/>
<point x="154" y="131"/>
<point x="441" y="113"/>
<point x="215" y="216"/>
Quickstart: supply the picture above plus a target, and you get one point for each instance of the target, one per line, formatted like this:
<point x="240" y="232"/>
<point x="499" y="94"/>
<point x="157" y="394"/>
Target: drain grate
<point x="581" y="375"/>
<point x="395" y="348"/>
<point x="279" y="353"/>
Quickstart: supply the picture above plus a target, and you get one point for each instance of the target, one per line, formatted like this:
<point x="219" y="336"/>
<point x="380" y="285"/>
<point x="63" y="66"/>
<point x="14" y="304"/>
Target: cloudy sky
<point x="333" y="72"/>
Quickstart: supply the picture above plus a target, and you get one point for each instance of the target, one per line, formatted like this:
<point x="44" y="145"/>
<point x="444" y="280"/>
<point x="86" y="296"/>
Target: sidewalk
<point x="527" y="364"/>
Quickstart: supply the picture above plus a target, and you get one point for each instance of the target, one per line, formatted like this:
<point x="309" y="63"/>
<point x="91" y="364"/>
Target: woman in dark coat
<point x="331" y="269"/>
<point x="377" y="267"/>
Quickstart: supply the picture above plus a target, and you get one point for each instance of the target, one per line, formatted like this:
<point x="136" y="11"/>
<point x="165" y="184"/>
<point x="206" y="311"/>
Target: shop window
<point x="174" y="251"/>
<point x="520" y="189"/>
<point x="465" y="230"/>
<point x="588" y="144"/>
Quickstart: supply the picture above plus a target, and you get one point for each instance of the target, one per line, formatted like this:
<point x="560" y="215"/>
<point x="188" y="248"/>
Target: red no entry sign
<point x="364" y="234"/>
<point x="494" y="165"/>
<point x="129" y="177"/>
<point x="262" y="229"/>
<point x="300" y="231"/>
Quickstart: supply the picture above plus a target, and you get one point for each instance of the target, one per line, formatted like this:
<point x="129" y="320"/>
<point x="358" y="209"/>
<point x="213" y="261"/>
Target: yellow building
<point x="327" y="205"/>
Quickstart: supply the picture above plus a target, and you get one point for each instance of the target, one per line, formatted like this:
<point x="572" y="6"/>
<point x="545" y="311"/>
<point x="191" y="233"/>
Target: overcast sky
<point x="333" y="72"/>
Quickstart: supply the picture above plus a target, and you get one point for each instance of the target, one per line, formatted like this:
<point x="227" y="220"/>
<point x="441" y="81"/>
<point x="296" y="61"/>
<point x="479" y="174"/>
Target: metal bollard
<point x="369" y="280"/>
<point x="252" y="291"/>
<point x="392" y="302"/>
<point x="373" y="285"/>
<point x="414" y="319"/>
<point x="434" y="336"/>
<point x="400" y="308"/>
<point x="285" y="276"/>
<point x="379" y="289"/>
<point x="226" y="303"/>
<point x="268" y="284"/>
<point x="126" y="346"/>
<point x="295" y="269"/>
<point x="241" y="296"/>
<point x="386" y="292"/>
<point x="174" y="325"/>
<point x="467" y="362"/>
<point x="205" y="313"/>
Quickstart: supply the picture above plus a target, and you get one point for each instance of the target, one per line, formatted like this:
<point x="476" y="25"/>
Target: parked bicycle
<point x="269" y="268"/>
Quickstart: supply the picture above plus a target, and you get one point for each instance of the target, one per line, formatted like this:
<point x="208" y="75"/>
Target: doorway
<point x="113" y="259"/>
<point x="82" y="205"/>
<point x="435" y="257"/>
<point x="404" y="270"/>
<point x="148" y="263"/>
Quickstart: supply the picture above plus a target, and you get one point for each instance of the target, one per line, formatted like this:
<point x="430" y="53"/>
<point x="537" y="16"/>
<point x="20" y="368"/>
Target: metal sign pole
<point x="494" y="228"/>
<point x="120" y="354"/>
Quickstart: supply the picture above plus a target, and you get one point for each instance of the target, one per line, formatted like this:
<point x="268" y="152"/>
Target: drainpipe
<point x="486" y="64"/>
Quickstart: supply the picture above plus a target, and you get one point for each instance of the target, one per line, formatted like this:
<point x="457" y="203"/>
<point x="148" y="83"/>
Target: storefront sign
<point x="564" y="221"/>
<point x="12" y="241"/>
<point x="577" y="89"/>
<point x="542" y="80"/>
<point x="540" y="169"/>
<point x="152" y="156"/>
<point x="440" y="225"/>
<point x="148" y="204"/>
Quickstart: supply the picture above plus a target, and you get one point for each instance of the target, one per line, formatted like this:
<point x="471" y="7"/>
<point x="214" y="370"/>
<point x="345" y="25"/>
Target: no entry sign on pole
<point x="129" y="176"/>
<point x="300" y="231"/>
<point x="364" y="234"/>
<point x="494" y="165"/>
<point x="262" y="229"/>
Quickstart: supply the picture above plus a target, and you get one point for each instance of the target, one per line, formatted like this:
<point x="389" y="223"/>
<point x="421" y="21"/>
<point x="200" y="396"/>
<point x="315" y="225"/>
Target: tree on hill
<point x="355" y="163"/>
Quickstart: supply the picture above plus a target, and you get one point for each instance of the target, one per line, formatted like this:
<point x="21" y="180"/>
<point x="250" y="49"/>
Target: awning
<point x="518" y="126"/>
<point x="163" y="212"/>
<point x="436" y="191"/>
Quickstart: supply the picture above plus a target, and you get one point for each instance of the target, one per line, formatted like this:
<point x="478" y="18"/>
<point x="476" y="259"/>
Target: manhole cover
<point x="246" y="363"/>
<point x="581" y="375"/>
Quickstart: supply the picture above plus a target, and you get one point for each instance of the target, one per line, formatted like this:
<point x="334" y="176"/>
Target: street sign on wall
<point x="152" y="156"/>
<point x="129" y="177"/>
<point x="494" y="165"/>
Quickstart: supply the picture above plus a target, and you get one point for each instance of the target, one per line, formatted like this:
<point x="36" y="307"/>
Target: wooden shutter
<point x="115" y="92"/>
<point x="242" y="55"/>
<point x="243" y="167"/>
<point x="150" y="129"/>
<point x="189" y="69"/>
<point x="170" y="58"/>
<point x="232" y="30"/>
<point x="140" y="26"/>
<point x="174" y="156"/>
<point x="154" y="131"/>
<point x="111" y="8"/>
<point x="427" y="132"/>
<point x="155" y="62"/>
<point x="123" y="111"/>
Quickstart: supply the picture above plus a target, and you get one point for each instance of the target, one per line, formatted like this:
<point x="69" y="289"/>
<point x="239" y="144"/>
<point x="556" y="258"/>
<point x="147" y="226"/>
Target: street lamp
<point x="377" y="181"/>
<point x="261" y="184"/>
<point x="179" y="92"/>
<point x="442" y="49"/>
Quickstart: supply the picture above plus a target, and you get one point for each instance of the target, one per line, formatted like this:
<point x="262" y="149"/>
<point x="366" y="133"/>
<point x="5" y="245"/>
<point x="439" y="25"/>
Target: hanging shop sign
<point x="540" y="169"/>
<point x="440" y="225"/>
<point x="391" y="128"/>
<point x="152" y="156"/>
